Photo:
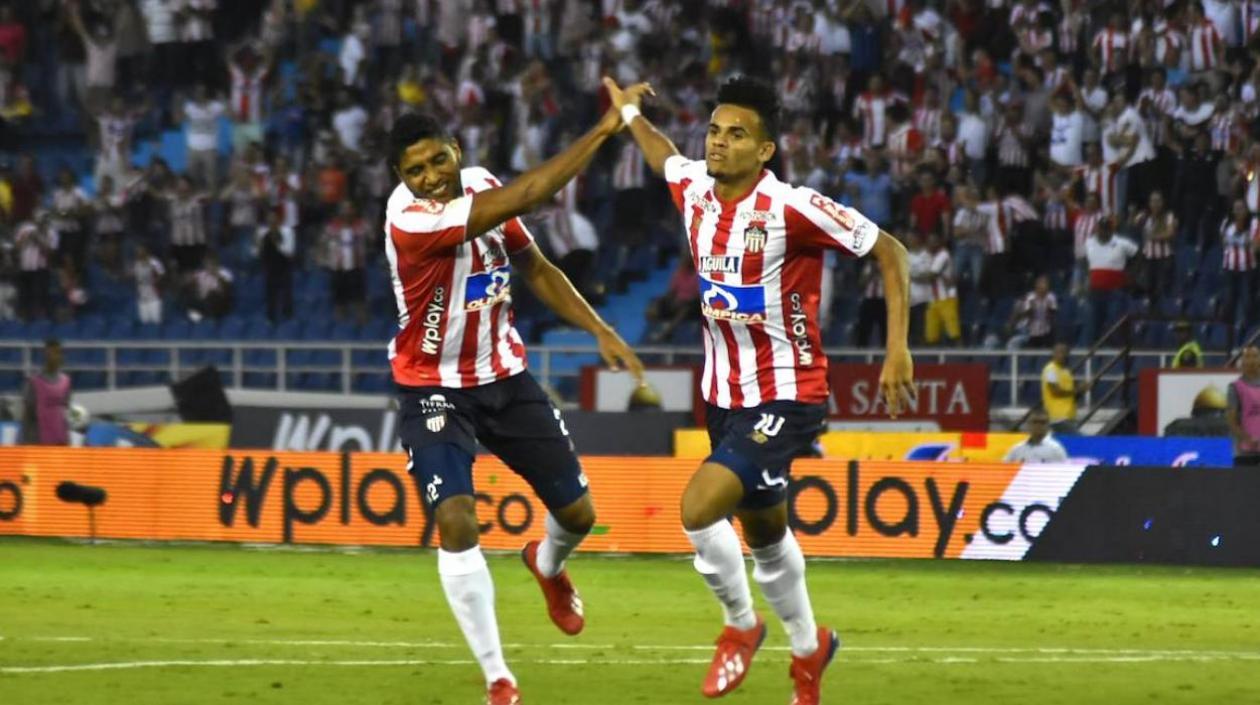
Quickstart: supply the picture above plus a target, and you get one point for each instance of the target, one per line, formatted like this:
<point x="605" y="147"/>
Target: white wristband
<point x="629" y="113"/>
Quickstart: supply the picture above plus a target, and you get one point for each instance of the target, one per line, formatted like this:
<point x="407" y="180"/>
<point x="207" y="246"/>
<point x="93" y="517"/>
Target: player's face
<point x="736" y="145"/>
<point x="430" y="168"/>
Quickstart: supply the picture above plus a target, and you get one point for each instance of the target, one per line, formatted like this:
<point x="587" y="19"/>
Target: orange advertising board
<point x="874" y="509"/>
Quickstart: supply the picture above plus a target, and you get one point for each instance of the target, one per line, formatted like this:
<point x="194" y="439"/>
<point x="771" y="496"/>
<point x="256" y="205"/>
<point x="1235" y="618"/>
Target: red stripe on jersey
<point x="721" y="240"/>
<point x="496" y="357"/>
<point x="468" y="348"/>
<point x="677" y="190"/>
<point x="754" y="262"/>
<point x="802" y="274"/>
<point x="419" y="292"/>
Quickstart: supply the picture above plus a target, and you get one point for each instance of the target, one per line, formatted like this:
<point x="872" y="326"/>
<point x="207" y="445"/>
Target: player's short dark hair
<point x="409" y="129"/>
<point x="756" y="95"/>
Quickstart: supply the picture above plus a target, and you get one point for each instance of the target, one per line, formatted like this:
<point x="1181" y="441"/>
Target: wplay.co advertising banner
<point x="873" y="509"/>
<point x="993" y="447"/>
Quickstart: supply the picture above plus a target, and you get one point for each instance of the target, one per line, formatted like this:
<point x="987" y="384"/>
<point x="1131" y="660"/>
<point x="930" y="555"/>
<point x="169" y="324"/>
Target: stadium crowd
<point x="1050" y="165"/>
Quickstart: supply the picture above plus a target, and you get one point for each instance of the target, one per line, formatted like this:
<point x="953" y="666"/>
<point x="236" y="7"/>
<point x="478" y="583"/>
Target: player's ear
<point x="456" y="151"/>
<point x="766" y="151"/>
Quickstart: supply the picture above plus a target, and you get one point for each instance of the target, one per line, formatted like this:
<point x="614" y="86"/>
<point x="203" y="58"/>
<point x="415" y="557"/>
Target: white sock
<point x="780" y="571"/>
<point x="556" y="546"/>
<point x="470" y="593"/>
<point x="720" y="560"/>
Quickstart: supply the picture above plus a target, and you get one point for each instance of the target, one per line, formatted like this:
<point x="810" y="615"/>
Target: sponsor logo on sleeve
<point x="832" y="210"/>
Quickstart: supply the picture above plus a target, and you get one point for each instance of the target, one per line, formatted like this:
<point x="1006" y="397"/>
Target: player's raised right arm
<point x="655" y="145"/>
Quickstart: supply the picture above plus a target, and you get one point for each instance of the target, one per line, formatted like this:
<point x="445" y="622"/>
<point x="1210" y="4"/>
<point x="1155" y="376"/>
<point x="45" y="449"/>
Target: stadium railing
<point x="344" y="366"/>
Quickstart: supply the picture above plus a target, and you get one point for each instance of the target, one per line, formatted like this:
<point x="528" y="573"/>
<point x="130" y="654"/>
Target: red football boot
<point x="563" y="603"/>
<point x="807" y="672"/>
<point x="503" y="692"/>
<point x="735" y="650"/>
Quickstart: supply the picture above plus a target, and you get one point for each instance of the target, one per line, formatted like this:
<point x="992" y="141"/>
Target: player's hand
<point x="618" y="355"/>
<point x="628" y="96"/>
<point x="896" y="380"/>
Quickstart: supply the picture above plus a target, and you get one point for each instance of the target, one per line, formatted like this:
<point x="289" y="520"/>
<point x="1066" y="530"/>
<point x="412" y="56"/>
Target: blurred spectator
<point x="46" y="400"/>
<point x="161" y="21"/>
<point x="13" y="36"/>
<point x="109" y="221"/>
<point x="34" y="243"/>
<point x="116" y="127"/>
<point x="27" y="188"/>
<point x="1189" y="354"/>
<point x="345" y="253"/>
<point x="970" y="234"/>
<point x="1156" y="226"/>
<point x="200" y="115"/>
<point x="249" y="68"/>
<point x="71" y="208"/>
<point x="276" y="245"/>
<point x="1059" y="392"/>
<point x="196" y="37"/>
<point x="573" y="242"/>
<point x="873" y="310"/>
<point x="942" y="311"/>
<point x="679" y="303"/>
<point x="921" y="278"/>
<point x="1207" y="417"/>
<point x="100" y="46"/>
<point x="1108" y="256"/>
<point x="148" y="273"/>
<point x="930" y="208"/>
<point x="1033" y="318"/>
<point x="75" y="296"/>
<point x="242" y="197"/>
<point x="629" y="205"/>
<point x="1067" y="135"/>
<point x="1039" y="447"/>
<point x="208" y="290"/>
<point x="1243" y="415"/>
<point x="874" y="188"/>
<point x="187" y="236"/>
<point x="1240" y="238"/>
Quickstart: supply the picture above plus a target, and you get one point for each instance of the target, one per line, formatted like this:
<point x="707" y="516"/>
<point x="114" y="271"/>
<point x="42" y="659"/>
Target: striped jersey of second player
<point x="454" y="297"/>
<point x="760" y="263"/>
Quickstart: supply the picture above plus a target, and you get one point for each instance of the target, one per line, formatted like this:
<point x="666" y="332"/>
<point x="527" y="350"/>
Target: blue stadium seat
<point x="286" y="330"/>
<point x="176" y="329"/>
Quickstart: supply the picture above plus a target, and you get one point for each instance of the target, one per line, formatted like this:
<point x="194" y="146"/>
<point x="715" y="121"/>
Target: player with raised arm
<point x="758" y="247"/>
<point x="452" y="238"/>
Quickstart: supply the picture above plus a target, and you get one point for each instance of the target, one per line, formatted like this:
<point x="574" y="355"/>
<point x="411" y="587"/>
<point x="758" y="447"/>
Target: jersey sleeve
<point x="424" y="226"/>
<point x="814" y="220"/>
<point x="516" y="237"/>
<point x="679" y="173"/>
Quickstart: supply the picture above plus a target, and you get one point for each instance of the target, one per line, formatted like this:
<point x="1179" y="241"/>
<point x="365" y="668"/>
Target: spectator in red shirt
<point x="930" y="207"/>
<point x="12" y="36"/>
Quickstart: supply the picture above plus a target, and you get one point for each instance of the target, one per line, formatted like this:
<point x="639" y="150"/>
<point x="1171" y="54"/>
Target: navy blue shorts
<point x="759" y="444"/>
<point x="512" y="418"/>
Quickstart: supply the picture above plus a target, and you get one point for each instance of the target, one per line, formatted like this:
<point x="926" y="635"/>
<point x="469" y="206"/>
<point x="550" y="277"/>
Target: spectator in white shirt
<point x="161" y="25"/>
<point x="921" y="278"/>
<point x="973" y="132"/>
<point x="1067" y="133"/>
<point x="1033" y="317"/>
<point x="349" y="121"/>
<point x="1040" y="446"/>
<point x="208" y="290"/>
<point x="200" y="116"/>
<point x="1108" y="256"/>
<point x="147" y="272"/>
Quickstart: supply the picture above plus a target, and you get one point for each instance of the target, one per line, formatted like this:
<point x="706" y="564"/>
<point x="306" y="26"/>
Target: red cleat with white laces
<point x="735" y="650"/>
<point x="807" y="671"/>
<point x="563" y="603"/>
<point x="503" y="692"/>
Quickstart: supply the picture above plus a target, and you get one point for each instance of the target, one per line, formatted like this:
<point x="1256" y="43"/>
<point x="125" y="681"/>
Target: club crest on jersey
<point x="725" y="264"/>
<point x="492" y="254"/>
<point x="726" y="302"/>
<point x="754" y="239"/>
<point x="436" y="423"/>
<point x="485" y="289"/>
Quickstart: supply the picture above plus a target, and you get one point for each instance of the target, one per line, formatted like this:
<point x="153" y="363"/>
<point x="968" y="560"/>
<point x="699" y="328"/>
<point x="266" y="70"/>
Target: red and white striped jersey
<point x="629" y="171"/>
<point x="1102" y="181"/>
<point x="1149" y="226"/>
<point x="1012" y="143"/>
<point x="870" y="108"/>
<point x="346" y="244"/>
<point x="928" y="121"/>
<point x="1226" y="132"/>
<point x="1039" y="312"/>
<point x="454" y="297"/>
<point x="760" y="261"/>
<point x="1205" y="45"/>
<point x="1168" y="44"/>
<point x="1157" y="106"/>
<point x="1054" y="215"/>
<point x="1238" y="245"/>
<point x="1084" y="225"/>
<point x="247" y="93"/>
<point x="905" y="146"/>
<point x="1112" y="46"/>
<point x="943" y="276"/>
<point x="1058" y="78"/>
<point x="1002" y="216"/>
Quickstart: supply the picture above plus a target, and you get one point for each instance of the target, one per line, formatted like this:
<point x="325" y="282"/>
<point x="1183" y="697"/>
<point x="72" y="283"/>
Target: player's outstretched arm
<point x="536" y="186"/>
<point x="555" y="290"/>
<point x="655" y="145"/>
<point x="896" y="381"/>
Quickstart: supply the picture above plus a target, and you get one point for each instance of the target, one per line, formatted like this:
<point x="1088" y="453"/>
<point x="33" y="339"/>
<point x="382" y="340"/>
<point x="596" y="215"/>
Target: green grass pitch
<point x="137" y="625"/>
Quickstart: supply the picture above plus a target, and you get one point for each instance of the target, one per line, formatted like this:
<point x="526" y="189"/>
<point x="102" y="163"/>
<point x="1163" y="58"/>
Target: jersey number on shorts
<point x="769" y="425"/>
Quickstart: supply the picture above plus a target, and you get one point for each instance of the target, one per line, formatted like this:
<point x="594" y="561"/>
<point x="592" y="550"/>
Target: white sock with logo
<point x="470" y="593"/>
<point x="720" y="561"/>
<point x="780" y="571"/>
<point x="555" y="547"/>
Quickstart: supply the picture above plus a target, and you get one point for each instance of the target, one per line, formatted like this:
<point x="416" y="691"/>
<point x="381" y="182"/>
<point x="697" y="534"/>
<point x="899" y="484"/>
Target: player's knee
<point x="578" y="518"/>
<point x="457" y="524"/>
<point x="696" y="515"/>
